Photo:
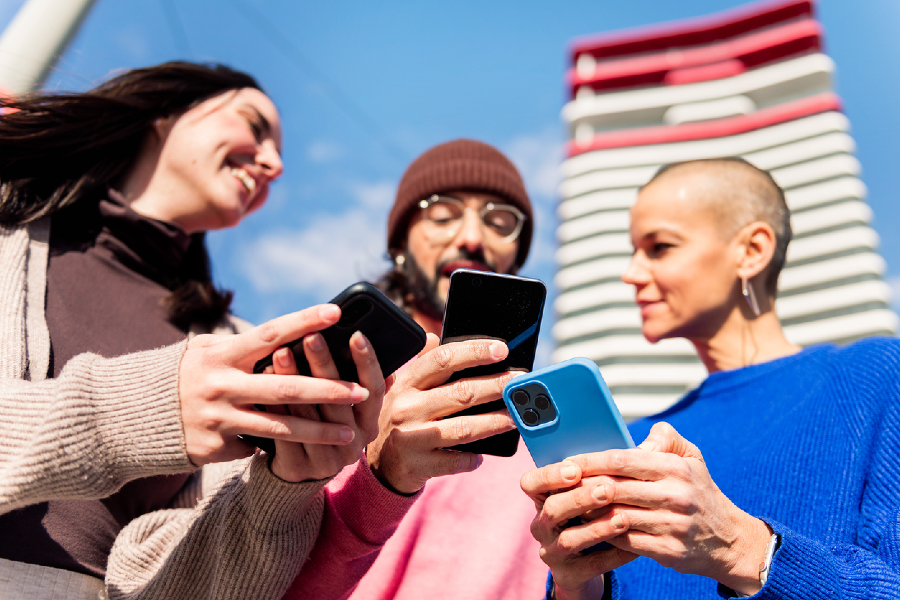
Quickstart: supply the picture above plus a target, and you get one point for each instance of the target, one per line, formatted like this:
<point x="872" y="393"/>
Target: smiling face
<point x="684" y="267"/>
<point x="470" y="248"/>
<point x="215" y="162"/>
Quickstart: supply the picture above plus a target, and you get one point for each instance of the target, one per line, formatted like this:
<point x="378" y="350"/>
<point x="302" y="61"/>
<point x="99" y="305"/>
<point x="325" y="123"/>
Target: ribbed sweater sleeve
<point x="102" y="423"/>
<point x="360" y="515"/>
<point x="245" y="541"/>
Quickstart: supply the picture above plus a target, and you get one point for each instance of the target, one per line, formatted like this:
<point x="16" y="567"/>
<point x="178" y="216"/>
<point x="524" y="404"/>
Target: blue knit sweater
<point x="810" y="444"/>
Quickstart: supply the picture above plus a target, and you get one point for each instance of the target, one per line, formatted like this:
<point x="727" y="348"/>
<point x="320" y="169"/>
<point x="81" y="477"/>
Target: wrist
<point x="751" y="559"/>
<point x="374" y="454"/>
<point x="590" y="590"/>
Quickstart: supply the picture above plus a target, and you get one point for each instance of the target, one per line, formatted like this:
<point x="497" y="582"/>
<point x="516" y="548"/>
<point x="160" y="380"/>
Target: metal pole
<point x="35" y="39"/>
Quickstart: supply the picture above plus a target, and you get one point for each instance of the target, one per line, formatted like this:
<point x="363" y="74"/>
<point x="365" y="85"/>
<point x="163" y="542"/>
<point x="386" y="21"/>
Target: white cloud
<point x="329" y="252"/>
<point x="378" y="196"/>
<point x="322" y="151"/>
<point x="332" y="252"/>
<point x="538" y="157"/>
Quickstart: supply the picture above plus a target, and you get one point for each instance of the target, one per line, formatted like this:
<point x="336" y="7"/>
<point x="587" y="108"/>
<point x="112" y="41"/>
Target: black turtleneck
<point x="109" y="271"/>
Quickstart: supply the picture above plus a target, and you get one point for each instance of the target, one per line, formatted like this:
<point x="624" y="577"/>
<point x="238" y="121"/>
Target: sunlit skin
<point x="210" y="166"/>
<point x="429" y="254"/>
<point x="687" y="269"/>
<point x="660" y="501"/>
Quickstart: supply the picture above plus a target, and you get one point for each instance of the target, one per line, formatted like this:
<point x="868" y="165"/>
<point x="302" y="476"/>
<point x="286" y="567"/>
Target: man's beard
<point x="422" y="291"/>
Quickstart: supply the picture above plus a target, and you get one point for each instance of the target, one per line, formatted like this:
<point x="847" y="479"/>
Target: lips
<point x="448" y="269"/>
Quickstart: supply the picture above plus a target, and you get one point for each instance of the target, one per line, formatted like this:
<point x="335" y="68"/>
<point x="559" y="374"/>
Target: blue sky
<point x="364" y="87"/>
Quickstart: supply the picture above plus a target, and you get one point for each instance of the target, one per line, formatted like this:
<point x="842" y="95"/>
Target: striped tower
<point x="752" y="83"/>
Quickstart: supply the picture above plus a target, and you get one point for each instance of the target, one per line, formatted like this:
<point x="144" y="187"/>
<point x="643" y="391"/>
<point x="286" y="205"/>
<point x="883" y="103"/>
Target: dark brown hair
<point x="59" y="149"/>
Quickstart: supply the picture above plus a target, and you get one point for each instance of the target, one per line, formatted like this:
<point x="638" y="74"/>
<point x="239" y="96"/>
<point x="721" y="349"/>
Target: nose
<point x="269" y="159"/>
<point x="636" y="274"/>
<point x="470" y="235"/>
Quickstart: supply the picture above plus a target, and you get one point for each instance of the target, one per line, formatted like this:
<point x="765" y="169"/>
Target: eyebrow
<point x="267" y="127"/>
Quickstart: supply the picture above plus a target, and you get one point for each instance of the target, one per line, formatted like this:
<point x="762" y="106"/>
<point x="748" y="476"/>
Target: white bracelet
<point x="770" y="552"/>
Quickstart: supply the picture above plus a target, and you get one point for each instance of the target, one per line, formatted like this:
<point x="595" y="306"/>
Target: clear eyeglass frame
<point x="446" y="229"/>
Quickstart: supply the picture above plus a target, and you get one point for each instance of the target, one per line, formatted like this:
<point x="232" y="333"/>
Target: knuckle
<point x="267" y="332"/>
<point x="618" y="459"/>
<point x="464" y="393"/>
<point x="443" y="358"/>
<point x="284" y="389"/>
<point x="459" y="429"/>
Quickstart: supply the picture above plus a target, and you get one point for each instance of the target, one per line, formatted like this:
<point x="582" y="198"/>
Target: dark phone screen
<point x="484" y="305"/>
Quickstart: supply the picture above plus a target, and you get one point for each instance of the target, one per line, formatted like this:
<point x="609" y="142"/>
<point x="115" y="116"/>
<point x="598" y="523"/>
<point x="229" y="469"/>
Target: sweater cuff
<point x="134" y="410"/>
<point x="368" y="508"/>
<point x="275" y="506"/>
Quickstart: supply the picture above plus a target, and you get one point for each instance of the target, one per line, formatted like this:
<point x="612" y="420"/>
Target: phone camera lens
<point x="541" y="402"/>
<point x="530" y="417"/>
<point x="476" y="282"/>
<point x="520" y="397"/>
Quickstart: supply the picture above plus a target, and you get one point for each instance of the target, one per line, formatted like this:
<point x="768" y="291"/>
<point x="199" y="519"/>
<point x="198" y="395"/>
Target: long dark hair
<point x="62" y="148"/>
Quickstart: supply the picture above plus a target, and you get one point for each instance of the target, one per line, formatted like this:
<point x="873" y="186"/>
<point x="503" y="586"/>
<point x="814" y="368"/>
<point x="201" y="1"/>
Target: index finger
<point x="634" y="463"/>
<point x="248" y="347"/>
<point x="435" y="367"/>
<point x="551" y="478"/>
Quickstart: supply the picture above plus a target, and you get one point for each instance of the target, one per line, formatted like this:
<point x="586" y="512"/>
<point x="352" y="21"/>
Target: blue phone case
<point x="586" y="418"/>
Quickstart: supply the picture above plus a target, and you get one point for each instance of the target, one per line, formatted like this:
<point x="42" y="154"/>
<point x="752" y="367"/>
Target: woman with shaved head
<point x="799" y="477"/>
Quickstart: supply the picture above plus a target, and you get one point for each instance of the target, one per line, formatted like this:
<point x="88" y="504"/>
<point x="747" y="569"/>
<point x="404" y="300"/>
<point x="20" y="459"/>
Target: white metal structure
<point x="34" y="40"/>
<point x="831" y="289"/>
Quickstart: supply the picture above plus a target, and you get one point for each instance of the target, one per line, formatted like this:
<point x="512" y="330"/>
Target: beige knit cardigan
<point x="104" y="422"/>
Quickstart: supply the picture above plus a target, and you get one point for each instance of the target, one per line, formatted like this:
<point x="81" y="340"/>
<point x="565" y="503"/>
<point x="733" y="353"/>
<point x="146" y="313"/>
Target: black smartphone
<point x="394" y="336"/>
<point x="485" y="305"/>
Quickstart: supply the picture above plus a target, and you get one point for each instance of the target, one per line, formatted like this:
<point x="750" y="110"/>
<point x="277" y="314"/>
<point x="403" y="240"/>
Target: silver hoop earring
<point x="750" y="296"/>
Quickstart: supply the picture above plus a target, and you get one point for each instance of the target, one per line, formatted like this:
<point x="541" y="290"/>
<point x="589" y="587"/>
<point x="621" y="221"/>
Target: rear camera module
<point x="541" y="402"/>
<point x="520" y="397"/>
<point x="530" y="417"/>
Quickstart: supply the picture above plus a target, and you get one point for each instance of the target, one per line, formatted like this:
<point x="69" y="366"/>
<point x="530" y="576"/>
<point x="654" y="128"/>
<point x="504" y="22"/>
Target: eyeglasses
<point x="443" y="217"/>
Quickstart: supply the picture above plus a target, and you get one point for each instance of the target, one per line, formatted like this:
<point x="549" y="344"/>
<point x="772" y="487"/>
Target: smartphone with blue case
<point x="565" y="409"/>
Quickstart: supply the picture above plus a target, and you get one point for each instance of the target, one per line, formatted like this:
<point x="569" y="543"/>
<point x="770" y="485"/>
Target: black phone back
<point x="394" y="336"/>
<point x="484" y="305"/>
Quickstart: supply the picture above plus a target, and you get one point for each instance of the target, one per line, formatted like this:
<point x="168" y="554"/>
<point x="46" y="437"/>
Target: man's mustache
<point x="465" y="255"/>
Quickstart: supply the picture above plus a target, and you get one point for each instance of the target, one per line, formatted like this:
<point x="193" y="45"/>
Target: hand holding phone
<point x="484" y="305"/>
<point x="394" y="336"/>
<point x="564" y="410"/>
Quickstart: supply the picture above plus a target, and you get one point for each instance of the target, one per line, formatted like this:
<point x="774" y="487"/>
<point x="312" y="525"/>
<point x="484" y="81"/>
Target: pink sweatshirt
<point x="464" y="536"/>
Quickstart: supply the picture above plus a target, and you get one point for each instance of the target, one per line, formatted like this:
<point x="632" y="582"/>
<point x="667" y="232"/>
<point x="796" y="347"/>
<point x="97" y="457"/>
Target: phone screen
<point x="483" y="305"/>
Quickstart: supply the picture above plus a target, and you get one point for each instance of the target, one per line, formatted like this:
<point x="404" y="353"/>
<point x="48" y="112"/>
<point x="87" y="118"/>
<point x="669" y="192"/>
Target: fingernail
<point x="648" y="446"/>
<point x="570" y="472"/>
<point x="329" y="312"/>
<point x="599" y="493"/>
<point x="498" y="350"/>
<point x="347" y="435"/>
<point x="479" y="461"/>
<point x="359" y="394"/>
<point x="315" y="342"/>
<point x="617" y="522"/>
<point x="283" y="358"/>
<point x="359" y="341"/>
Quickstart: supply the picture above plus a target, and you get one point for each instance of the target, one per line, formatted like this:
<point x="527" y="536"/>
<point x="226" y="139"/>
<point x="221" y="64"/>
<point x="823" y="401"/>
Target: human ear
<point x="756" y="244"/>
<point x="161" y="126"/>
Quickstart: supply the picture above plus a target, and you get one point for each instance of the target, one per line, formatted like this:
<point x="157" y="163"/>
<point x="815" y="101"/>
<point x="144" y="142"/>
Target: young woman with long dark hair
<point x="108" y="407"/>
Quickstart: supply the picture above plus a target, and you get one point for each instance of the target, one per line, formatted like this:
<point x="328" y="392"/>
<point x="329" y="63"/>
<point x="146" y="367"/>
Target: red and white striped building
<point x="752" y="82"/>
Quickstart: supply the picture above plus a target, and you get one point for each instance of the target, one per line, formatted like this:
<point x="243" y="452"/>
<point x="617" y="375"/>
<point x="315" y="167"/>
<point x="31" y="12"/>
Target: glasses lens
<point x="443" y="212"/>
<point x="501" y="221"/>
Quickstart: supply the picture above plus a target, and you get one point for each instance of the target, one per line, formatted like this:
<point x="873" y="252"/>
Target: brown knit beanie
<point x="464" y="165"/>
